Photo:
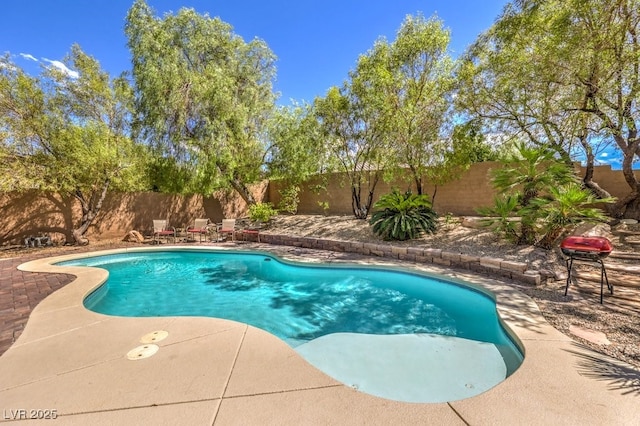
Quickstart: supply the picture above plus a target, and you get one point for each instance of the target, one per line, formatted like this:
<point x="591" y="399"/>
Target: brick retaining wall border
<point x="517" y="271"/>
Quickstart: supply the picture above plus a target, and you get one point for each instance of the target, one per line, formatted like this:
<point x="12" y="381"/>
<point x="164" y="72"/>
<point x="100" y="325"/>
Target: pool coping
<point x="212" y="371"/>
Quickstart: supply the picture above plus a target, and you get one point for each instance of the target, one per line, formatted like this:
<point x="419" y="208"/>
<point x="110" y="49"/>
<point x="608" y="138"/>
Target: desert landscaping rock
<point x="596" y="337"/>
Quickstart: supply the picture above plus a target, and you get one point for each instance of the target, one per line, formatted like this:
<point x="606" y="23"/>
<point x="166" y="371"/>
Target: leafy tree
<point x="417" y="81"/>
<point x="403" y="216"/>
<point x="391" y="111"/>
<point x="355" y="137"/>
<point x="296" y="151"/>
<point x="508" y="80"/>
<point x="467" y="146"/>
<point x="606" y="78"/>
<point x="68" y="135"/>
<point x="563" y="73"/>
<point x="500" y="85"/>
<point x="394" y="113"/>
<point x="469" y="142"/>
<point x="203" y="97"/>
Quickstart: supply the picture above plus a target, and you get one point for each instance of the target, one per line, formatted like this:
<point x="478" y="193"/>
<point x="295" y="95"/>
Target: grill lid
<point x="578" y="245"/>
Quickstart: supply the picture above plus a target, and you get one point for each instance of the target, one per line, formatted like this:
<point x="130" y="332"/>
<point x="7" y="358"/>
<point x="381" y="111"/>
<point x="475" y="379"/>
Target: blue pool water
<point x="297" y="303"/>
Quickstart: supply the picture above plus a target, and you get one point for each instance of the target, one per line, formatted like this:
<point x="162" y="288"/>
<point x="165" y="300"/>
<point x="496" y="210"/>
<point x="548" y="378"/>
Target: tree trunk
<point x="360" y="210"/>
<point x="419" y="186"/>
<point x="587" y="181"/>
<point x="628" y="206"/>
<point x="596" y="189"/>
<point x="243" y="191"/>
<point x="78" y="237"/>
<point x="549" y="239"/>
<point x="90" y="209"/>
<point x="418" y="180"/>
<point x="236" y="184"/>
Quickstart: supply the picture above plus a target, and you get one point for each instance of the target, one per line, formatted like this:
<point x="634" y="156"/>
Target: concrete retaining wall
<point x="483" y="265"/>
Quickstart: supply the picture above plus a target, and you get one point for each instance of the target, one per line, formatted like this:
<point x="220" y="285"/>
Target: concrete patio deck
<point x="73" y="363"/>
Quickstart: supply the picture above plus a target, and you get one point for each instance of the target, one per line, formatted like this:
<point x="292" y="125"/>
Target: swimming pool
<point x="331" y="315"/>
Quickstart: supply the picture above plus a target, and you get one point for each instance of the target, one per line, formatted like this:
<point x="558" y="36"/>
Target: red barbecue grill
<point x="587" y="249"/>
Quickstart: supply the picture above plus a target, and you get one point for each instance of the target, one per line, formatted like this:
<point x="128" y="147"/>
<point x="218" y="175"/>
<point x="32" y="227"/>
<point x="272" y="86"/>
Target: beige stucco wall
<point x="460" y="197"/>
<point x="26" y="214"/>
<point x="32" y="214"/>
<point x="612" y="180"/>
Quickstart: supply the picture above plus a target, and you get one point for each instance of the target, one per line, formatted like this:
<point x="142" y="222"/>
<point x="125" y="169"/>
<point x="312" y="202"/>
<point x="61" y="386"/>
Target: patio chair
<point x="228" y="226"/>
<point x="252" y="228"/>
<point x="200" y="227"/>
<point x="160" y="229"/>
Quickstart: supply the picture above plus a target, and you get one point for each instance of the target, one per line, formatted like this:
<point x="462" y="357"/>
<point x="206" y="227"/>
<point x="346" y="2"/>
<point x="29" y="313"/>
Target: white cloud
<point x="62" y="67"/>
<point x="7" y="66"/>
<point x="28" y="56"/>
<point x="604" y="154"/>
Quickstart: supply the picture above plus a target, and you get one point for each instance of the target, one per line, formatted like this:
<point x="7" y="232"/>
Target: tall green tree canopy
<point x="564" y="74"/>
<point x="355" y="137"/>
<point x="296" y="145"/>
<point x="68" y="134"/>
<point x="392" y="113"/>
<point x="506" y="83"/>
<point x="203" y="96"/>
<point x="418" y="85"/>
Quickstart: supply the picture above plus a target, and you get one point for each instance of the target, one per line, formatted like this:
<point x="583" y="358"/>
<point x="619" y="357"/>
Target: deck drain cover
<point x="155" y="336"/>
<point x="144" y="351"/>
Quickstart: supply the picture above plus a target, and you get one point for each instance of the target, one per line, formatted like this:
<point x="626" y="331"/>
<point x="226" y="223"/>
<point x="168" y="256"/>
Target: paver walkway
<point x="20" y="292"/>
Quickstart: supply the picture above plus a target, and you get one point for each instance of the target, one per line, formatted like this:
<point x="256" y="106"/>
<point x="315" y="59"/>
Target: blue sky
<point x="316" y="42"/>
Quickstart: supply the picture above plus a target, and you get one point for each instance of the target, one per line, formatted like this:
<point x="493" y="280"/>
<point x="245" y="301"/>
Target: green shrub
<point x="403" y="216"/>
<point x="262" y="212"/>
<point x="541" y="199"/>
<point x="325" y="206"/>
<point x="567" y="206"/>
<point x="289" y="199"/>
<point x="501" y="218"/>
<point x="526" y="175"/>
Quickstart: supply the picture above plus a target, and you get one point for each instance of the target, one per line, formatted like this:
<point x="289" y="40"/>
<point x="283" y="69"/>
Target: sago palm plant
<point x="500" y="217"/>
<point x="569" y="205"/>
<point x="403" y="216"/>
<point x="527" y="174"/>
